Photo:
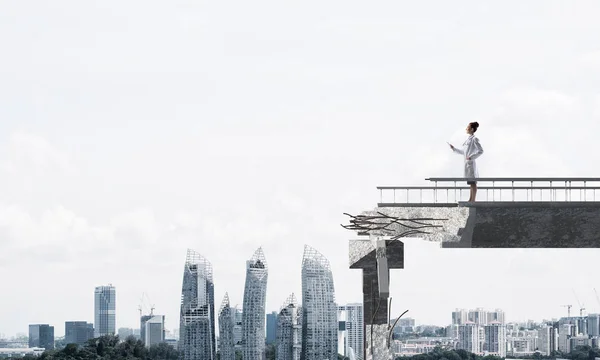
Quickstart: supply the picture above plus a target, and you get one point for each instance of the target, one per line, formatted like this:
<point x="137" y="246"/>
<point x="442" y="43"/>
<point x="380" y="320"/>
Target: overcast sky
<point x="133" y="130"/>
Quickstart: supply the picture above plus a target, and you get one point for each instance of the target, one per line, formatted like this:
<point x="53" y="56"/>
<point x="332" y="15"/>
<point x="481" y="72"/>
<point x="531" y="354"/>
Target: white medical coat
<point x="472" y="149"/>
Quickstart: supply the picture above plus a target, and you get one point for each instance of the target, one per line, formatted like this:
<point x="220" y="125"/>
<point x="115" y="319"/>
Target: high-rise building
<point x="41" y="336"/>
<point x="289" y="330"/>
<point x="495" y="339"/>
<point x="105" y="311"/>
<point x="460" y="317"/>
<point x="78" y="332"/>
<point x="469" y="338"/>
<point x="143" y="320"/>
<point x="496" y="316"/>
<point x="226" y="323"/>
<point x="582" y="326"/>
<point x="478" y="316"/>
<point x="154" y="330"/>
<point x="319" y="310"/>
<point x="547" y="336"/>
<point x="565" y="333"/>
<point x="237" y="328"/>
<point x="271" y="327"/>
<point x="253" y="317"/>
<point x="197" y="338"/>
<point x="593" y="324"/>
<point x="351" y="339"/>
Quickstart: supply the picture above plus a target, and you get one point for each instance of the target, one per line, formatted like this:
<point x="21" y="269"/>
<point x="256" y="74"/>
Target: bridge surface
<point x="558" y="213"/>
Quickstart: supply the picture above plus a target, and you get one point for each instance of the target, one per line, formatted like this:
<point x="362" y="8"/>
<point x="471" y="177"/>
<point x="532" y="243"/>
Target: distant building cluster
<point x="310" y="327"/>
<point x="486" y="332"/>
<point x="41" y="336"/>
<point x="307" y="331"/>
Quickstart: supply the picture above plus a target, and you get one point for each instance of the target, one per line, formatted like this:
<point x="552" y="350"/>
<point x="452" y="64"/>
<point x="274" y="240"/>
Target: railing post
<point x="531" y="191"/>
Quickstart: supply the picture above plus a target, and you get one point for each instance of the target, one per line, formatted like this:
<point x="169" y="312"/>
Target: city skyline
<point x="233" y="126"/>
<point x="563" y="310"/>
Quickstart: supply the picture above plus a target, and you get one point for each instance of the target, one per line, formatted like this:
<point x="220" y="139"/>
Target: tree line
<point x="579" y="353"/>
<point x="109" y="347"/>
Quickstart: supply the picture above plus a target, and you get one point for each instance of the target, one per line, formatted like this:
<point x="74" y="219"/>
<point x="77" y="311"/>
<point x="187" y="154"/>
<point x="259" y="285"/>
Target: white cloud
<point x="591" y="60"/>
<point x="34" y="155"/>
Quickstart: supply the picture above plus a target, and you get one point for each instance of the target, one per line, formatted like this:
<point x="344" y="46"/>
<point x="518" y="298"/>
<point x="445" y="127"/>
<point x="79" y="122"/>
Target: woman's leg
<point x="470" y="192"/>
<point x="474" y="191"/>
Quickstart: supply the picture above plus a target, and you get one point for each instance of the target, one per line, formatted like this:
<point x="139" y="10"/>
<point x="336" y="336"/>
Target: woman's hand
<point x="468" y="158"/>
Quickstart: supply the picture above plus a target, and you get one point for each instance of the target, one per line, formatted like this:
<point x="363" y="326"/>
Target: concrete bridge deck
<point x="530" y="216"/>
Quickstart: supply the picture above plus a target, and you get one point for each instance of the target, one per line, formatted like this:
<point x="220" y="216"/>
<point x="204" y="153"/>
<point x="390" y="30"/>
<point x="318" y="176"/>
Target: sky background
<point x="133" y="130"/>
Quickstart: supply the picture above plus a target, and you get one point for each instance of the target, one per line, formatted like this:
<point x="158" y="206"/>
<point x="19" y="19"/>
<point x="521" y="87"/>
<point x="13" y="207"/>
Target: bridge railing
<point x="453" y="190"/>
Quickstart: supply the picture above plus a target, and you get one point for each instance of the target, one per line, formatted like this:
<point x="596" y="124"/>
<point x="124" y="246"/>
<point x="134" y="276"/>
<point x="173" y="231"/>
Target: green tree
<point x="162" y="351"/>
<point x="270" y="352"/>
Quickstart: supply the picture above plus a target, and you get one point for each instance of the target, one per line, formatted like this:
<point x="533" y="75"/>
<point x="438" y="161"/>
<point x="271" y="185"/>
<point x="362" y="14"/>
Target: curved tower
<point x="289" y="330"/>
<point x="319" y="311"/>
<point x="197" y="316"/>
<point x="253" y="315"/>
<point x="226" y="322"/>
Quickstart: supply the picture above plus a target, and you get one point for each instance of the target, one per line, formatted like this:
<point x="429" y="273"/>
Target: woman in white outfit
<point x="471" y="150"/>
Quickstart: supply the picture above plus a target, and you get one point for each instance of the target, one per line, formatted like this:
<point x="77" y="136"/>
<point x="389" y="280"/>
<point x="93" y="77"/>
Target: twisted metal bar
<point x="381" y="223"/>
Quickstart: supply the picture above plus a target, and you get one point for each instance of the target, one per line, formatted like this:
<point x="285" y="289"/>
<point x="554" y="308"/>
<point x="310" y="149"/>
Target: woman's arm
<point x="457" y="151"/>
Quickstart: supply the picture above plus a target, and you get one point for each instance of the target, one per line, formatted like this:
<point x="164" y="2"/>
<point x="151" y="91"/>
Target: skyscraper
<point x="154" y="330"/>
<point x="226" y="323"/>
<point x="353" y="336"/>
<point x="271" y="327"/>
<point x="496" y="316"/>
<point x="253" y="316"/>
<point x="547" y="339"/>
<point x="41" y="336"/>
<point x="319" y="311"/>
<point x="237" y="328"/>
<point x="593" y="324"/>
<point x="460" y="317"/>
<point x="495" y="339"/>
<point x="468" y="337"/>
<point x="78" y="332"/>
<point x="197" y="339"/>
<point x="478" y="316"/>
<point x="289" y="330"/>
<point x="143" y="320"/>
<point x="105" y="310"/>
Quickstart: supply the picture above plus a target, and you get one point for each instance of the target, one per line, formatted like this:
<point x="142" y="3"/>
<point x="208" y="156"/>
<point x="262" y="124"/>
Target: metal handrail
<point x="521" y="179"/>
<point x="487" y="187"/>
<point x="531" y="190"/>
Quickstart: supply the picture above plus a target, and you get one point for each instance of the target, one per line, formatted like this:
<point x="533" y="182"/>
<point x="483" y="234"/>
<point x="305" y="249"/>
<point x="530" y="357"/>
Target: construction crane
<point x="597" y="297"/>
<point x="581" y="306"/>
<point x="568" y="309"/>
<point x="142" y="304"/>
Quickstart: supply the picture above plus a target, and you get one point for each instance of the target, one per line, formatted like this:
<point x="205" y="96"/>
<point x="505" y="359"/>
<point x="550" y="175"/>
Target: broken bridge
<point x="515" y="213"/>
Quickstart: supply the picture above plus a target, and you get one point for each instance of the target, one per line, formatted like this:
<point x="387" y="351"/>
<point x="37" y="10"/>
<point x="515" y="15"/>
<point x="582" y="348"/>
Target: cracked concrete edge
<point x="358" y="249"/>
<point x="456" y="219"/>
<point x="466" y="233"/>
